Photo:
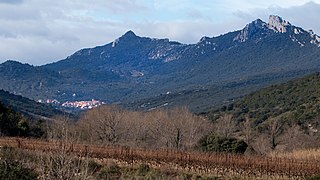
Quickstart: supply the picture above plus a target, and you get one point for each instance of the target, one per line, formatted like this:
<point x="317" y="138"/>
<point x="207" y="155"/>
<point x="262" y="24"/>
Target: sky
<point x="44" y="31"/>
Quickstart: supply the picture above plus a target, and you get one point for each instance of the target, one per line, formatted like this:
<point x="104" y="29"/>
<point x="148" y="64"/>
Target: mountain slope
<point x="133" y="70"/>
<point x="27" y="80"/>
<point x="28" y="107"/>
<point x="295" y="102"/>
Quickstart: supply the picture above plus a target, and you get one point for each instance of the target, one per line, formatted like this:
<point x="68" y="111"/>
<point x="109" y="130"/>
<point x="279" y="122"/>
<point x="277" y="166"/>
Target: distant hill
<point x="29" y="107"/>
<point x="202" y="100"/>
<point x="146" y="73"/>
<point x="294" y="102"/>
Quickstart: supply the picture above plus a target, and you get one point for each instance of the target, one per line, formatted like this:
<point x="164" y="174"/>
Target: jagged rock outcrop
<point x="277" y="24"/>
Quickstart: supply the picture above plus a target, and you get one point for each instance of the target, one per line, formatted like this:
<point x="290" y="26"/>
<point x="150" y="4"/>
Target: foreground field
<point x="211" y="164"/>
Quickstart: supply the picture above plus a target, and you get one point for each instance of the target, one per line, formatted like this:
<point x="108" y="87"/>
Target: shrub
<point x="317" y="177"/>
<point x="143" y="170"/>
<point x="111" y="172"/>
<point x="215" y="143"/>
<point x="13" y="170"/>
<point x="93" y="166"/>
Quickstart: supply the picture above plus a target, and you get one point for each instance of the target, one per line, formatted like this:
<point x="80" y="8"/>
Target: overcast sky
<point x="43" y="31"/>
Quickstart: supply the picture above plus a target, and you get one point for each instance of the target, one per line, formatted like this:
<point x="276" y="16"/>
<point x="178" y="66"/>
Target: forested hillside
<point x="297" y="101"/>
<point x="15" y="124"/>
<point x="29" y="107"/>
<point x="285" y="115"/>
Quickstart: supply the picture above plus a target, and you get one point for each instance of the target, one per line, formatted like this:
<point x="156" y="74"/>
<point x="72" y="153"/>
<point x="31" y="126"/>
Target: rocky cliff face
<point x="277" y="24"/>
<point x="251" y="29"/>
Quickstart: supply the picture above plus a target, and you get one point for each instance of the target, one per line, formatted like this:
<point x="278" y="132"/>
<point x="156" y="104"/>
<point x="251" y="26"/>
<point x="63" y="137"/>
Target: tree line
<point x="112" y="125"/>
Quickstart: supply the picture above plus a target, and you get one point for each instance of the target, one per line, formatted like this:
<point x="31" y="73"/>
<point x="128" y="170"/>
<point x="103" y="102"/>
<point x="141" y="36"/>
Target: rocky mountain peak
<point x="128" y="34"/>
<point x="277" y="24"/>
<point x="249" y="30"/>
<point x="126" y="37"/>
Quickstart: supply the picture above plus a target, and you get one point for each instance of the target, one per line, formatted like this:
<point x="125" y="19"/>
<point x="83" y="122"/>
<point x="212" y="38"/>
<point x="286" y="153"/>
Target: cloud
<point x="306" y="16"/>
<point x="44" y="31"/>
<point x="11" y="1"/>
<point x="186" y="31"/>
<point x="243" y="15"/>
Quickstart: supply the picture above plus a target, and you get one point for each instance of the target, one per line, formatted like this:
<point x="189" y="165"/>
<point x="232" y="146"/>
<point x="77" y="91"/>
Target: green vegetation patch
<point x="213" y="143"/>
<point x="296" y="102"/>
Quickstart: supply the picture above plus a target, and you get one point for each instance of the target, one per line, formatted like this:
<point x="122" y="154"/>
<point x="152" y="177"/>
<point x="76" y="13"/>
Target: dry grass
<point x="304" y="154"/>
<point x="213" y="164"/>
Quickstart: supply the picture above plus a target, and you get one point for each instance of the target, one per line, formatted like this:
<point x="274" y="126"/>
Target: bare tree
<point x="176" y="128"/>
<point x="136" y="130"/>
<point x="188" y="128"/>
<point x="246" y="128"/>
<point x="261" y="144"/>
<point x="107" y="124"/>
<point x="295" y="137"/>
<point x="63" y="129"/>
<point x="274" y="129"/>
<point x="225" y="126"/>
<point x="160" y="128"/>
<point x="61" y="163"/>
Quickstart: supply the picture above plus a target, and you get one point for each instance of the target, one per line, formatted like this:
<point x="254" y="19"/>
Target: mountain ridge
<point x="132" y="67"/>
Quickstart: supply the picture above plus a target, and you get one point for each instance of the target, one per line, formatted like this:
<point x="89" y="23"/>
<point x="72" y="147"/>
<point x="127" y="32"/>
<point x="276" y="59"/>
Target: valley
<point x="242" y="105"/>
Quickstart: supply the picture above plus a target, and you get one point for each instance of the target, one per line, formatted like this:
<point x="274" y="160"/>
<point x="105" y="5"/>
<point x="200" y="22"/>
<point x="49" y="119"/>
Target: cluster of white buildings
<point x="83" y="104"/>
<point x="52" y="101"/>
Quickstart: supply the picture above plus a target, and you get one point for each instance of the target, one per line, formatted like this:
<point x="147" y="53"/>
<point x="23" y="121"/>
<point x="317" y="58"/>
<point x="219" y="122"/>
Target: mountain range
<point x="146" y="73"/>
